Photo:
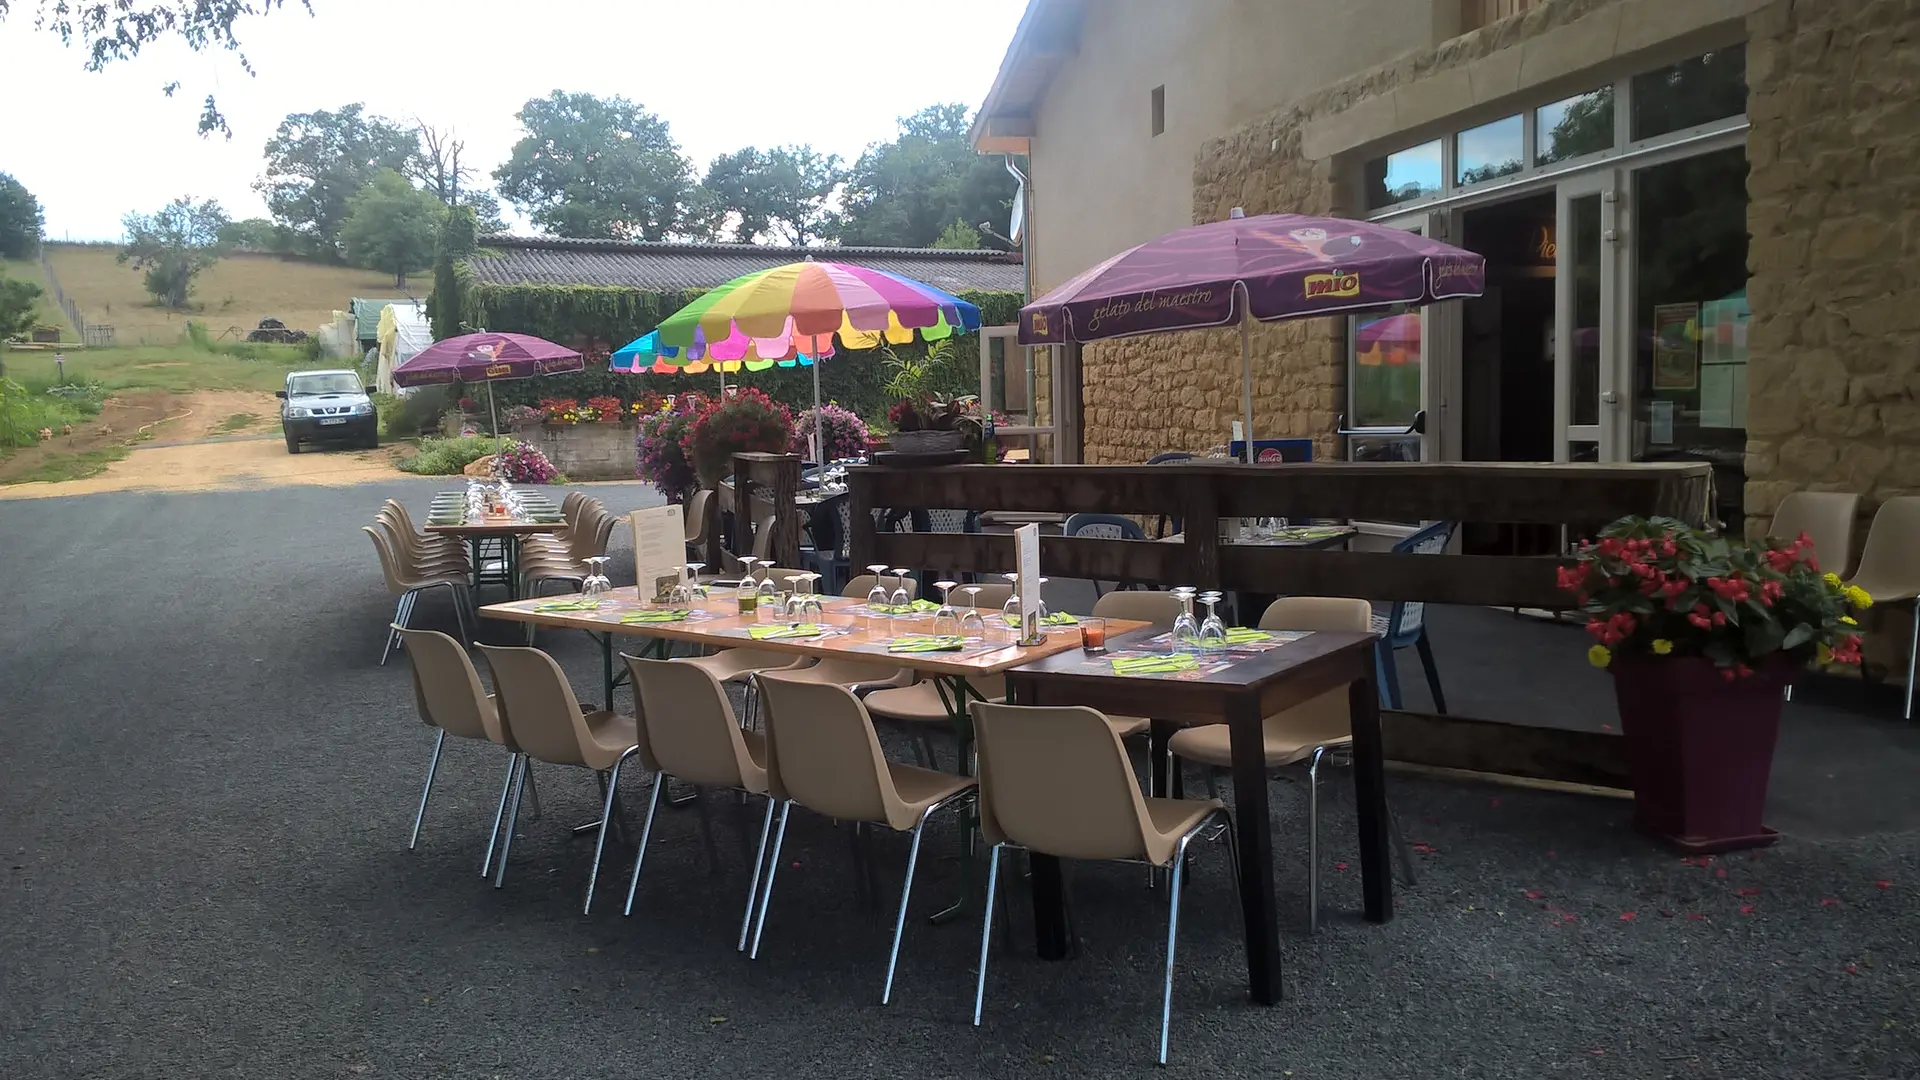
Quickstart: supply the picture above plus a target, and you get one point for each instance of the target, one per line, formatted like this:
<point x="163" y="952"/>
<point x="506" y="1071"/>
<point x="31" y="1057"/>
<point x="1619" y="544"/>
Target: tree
<point x="19" y="306"/>
<point x="20" y="219"/>
<point x="254" y="234"/>
<point x="438" y="168"/>
<point x="959" y="236"/>
<point x="318" y="161"/>
<point x="392" y="225"/>
<point x="173" y="246"/>
<point x="906" y="193"/>
<point x="597" y="167"/>
<point x="779" y="194"/>
<point x="110" y="30"/>
<point x="458" y="239"/>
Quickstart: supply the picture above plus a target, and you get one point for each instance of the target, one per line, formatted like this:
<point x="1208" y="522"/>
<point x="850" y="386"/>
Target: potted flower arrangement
<point x="660" y="457"/>
<point x="523" y="463"/>
<point x="1701" y="636"/>
<point x="519" y="416"/>
<point x="928" y="425"/>
<point x="746" y="422"/>
<point x="842" y="433"/>
<point x="605" y="410"/>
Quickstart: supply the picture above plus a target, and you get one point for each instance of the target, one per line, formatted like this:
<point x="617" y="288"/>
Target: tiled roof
<point x="662" y="267"/>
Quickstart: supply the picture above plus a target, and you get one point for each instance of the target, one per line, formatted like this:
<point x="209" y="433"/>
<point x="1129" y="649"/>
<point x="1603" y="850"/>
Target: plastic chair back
<point x="1827" y="518"/>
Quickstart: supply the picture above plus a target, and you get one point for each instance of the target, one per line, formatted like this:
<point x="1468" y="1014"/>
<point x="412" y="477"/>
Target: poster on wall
<point x="1676" y="346"/>
<point x="1723" y="330"/>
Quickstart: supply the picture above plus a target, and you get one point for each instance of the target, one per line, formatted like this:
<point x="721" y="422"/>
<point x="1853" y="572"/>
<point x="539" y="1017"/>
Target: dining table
<point x="1237" y="685"/>
<point x="449" y="516"/>
<point x="1249" y="605"/>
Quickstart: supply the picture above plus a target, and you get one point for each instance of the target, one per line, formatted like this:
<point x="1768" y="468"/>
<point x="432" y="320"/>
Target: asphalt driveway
<point x="208" y="783"/>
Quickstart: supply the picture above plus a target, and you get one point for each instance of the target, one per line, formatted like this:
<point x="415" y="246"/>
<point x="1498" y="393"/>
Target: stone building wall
<point x="585" y="451"/>
<point x="1833" y="376"/>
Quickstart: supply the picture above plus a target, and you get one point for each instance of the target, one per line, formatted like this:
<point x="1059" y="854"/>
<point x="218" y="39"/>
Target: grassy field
<point x="176" y="368"/>
<point x="229" y="298"/>
<point x="29" y="269"/>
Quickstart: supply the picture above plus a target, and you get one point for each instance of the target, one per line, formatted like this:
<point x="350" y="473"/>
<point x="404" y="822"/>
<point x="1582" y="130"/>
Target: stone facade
<point x="585" y="451"/>
<point x="1833" y="378"/>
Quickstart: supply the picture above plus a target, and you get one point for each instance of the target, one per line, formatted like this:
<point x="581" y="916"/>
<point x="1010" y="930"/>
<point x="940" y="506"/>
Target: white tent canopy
<point x="404" y="331"/>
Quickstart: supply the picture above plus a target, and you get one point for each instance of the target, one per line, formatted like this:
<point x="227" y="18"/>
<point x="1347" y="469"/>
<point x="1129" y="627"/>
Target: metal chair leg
<point x="499" y="812"/>
<point x="1386" y="674"/>
<point x="906" y="891"/>
<point x="1173" y="938"/>
<point x="400" y="612"/>
<point x="459" y="611"/>
<point x="1313" y="839"/>
<point x="433" y="763"/>
<point x="606" y="826"/>
<point x="773" y="867"/>
<point x="513" y="818"/>
<point x="646" y="834"/>
<point x="1913" y="654"/>
<point x="986" y="932"/>
<point x="753" y="886"/>
<point x="1425" y="648"/>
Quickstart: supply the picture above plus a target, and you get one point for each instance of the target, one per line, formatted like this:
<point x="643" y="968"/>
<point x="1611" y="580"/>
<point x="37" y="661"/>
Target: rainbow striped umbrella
<point x="645" y="355"/>
<point x="798" y="308"/>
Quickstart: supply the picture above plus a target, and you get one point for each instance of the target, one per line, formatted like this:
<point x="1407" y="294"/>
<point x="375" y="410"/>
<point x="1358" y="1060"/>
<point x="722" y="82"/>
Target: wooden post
<point x="774" y="479"/>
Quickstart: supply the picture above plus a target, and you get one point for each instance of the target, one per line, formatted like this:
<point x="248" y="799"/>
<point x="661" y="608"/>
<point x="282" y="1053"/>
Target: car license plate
<point x="333" y="420"/>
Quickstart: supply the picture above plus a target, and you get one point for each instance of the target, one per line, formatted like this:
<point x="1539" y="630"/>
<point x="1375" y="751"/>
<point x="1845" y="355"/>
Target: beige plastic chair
<point x="418" y="555"/>
<point x="543" y="718"/>
<point x="1827" y="518"/>
<point x="861" y="678"/>
<point x="694" y="519"/>
<point x="688" y="731"/>
<point x="1890" y="567"/>
<point x="1158" y="608"/>
<point x="859" y="587"/>
<point x="417" y="540"/>
<point x="1310" y="731"/>
<point x="823" y="754"/>
<point x="406" y="582"/>
<point x="450" y="699"/>
<point x="1056" y="781"/>
<point x="569" y="564"/>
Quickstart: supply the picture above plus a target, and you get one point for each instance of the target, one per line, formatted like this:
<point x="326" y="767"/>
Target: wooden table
<point x="504" y="529"/>
<point x="1240" y="695"/>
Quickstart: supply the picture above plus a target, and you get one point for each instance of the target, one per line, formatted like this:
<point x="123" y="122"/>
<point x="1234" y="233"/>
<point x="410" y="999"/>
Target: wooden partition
<point x="1202" y="493"/>
<point x="773" y="479"/>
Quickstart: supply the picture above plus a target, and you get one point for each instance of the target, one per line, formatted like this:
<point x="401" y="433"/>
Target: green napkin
<point x="773" y="632"/>
<point x="1058" y="618"/>
<point x="917" y="607"/>
<point x="569" y="605"/>
<point x="655" y="616"/>
<point x="920" y="643"/>
<point x="1153" y="665"/>
<point x="1236" y="635"/>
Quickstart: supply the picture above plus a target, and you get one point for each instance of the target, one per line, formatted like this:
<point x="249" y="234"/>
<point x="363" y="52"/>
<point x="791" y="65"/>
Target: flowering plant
<point x="648" y="404"/>
<point x="523" y="463"/>
<point x="607" y="409"/>
<point x="563" y="411"/>
<point x="659" y="456"/>
<point x="746" y="422"/>
<point x="467" y="404"/>
<point x="842" y="434"/>
<point x="517" y="415"/>
<point x="1657" y="586"/>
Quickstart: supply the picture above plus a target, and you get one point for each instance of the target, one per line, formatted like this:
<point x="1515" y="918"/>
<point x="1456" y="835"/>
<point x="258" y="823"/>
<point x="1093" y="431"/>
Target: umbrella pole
<point x="1246" y="383"/>
<point x="494" y="412"/>
<point x="819" y="444"/>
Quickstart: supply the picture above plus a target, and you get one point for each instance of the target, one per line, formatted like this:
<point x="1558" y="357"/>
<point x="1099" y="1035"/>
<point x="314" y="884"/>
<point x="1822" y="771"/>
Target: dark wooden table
<point x="1240" y="696"/>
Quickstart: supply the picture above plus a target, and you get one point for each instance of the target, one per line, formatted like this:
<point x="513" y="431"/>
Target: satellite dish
<point x="1018" y="220"/>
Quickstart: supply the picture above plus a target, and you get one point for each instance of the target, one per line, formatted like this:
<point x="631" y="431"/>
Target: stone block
<point x="1585" y="43"/>
<point x="1877" y="319"/>
<point x="1849" y="240"/>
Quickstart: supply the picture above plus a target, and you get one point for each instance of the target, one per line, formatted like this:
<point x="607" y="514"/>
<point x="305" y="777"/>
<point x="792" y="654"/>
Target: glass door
<point x="1395" y="378"/>
<point x="1587" y="391"/>
<point x="1017" y="385"/>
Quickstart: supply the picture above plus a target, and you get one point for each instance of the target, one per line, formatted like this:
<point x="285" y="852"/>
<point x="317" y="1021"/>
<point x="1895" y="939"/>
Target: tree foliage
<point x="438" y="167"/>
<point x="907" y="192"/>
<point x="21" y="221"/>
<point x="775" y="195"/>
<point x="450" y="274"/>
<point x="19" y="306"/>
<point x="318" y="161"/>
<point x="109" y="30"/>
<point x="173" y="245"/>
<point x="597" y="167"/>
<point x="392" y="225"/>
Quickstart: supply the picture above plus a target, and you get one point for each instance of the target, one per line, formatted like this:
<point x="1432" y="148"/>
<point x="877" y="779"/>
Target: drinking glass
<point x="901" y="598"/>
<point x="1043" y="600"/>
<point x="1213" y="632"/>
<point x="695" y="590"/>
<point x="972" y="626"/>
<point x="946" y="621"/>
<point x="767" y="597"/>
<point x="1185" y="629"/>
<point x="1010" y="614"/>
<point x="682" y="593"/>
<point x="808" y="607"/>
<point x="595" y="585"/>
<point x="748" y="592"/>
<point x="1093" y="634"/>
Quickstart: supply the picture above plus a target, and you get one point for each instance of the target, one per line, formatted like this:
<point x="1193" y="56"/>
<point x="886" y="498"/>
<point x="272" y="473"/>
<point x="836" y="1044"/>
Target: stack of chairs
<point x="413" y="562"/>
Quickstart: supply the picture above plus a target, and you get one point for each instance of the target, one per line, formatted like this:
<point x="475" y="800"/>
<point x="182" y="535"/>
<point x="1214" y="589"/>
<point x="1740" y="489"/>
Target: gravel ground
<point x="209" y="785"/>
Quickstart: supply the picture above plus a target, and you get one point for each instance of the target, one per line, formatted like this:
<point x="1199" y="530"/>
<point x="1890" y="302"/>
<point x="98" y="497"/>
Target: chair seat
<point x="920" y="788"/>
<point x="734" y="665"/>
<point x="1174" y="818"/>
<point x="850" y="673"/>
<point x="919" y="703"/>
<point x="446" y="577"/>
<point x="612" y="735"/>
<point x="1885" y="590"/>
<point x="1288" y="739"/>
<point x="1128" y="726"/>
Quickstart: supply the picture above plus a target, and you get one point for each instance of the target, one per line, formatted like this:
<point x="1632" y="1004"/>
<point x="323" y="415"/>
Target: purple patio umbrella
<point x="1275" y="266"/>
<point x="486" y="357"/>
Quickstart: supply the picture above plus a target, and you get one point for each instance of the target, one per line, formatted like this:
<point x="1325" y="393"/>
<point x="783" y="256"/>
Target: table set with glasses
<point x="492" y="516"/>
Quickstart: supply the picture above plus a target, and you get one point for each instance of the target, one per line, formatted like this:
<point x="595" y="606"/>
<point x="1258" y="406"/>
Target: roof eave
<point x="1048" y="31"/>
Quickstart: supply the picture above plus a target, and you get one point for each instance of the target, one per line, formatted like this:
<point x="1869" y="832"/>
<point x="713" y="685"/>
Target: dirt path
<point x="191" y="442"/>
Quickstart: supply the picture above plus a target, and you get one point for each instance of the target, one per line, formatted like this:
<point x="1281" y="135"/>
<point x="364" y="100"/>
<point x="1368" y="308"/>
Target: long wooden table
<point x="504" y="529"/>
<point x="1241" y="695"/>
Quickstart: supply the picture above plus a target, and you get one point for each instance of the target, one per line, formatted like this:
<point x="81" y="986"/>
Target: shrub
<point x="743" y="423"/>
<point x="448" y="457"/>
<point x="659" y="447"/>
<point x="23" y="413"/>
<point x="844" y="435"/>
<point x="415" y="412"/>
<point x="523" y="463"/>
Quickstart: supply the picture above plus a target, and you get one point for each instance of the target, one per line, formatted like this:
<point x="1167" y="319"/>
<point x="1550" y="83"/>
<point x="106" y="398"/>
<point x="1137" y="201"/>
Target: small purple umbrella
<point x="486" y="357"/>
<point x="1276" y="266"/>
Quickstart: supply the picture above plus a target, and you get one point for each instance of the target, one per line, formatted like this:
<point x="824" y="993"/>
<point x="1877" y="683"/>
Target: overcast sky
<point x="724" y="74"/>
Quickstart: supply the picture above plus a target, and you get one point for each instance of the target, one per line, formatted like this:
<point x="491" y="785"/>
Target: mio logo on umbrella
<point x="1336" y="285"/>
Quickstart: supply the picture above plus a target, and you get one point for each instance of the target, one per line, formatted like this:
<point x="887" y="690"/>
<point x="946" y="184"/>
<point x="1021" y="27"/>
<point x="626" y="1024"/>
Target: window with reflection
<point x="1383" y="382"/>
<point x="1490" y="150"/>
<point x="1579" y="125"/>
<point x="1413" y="173"/>
<point x="1709" y="87"/>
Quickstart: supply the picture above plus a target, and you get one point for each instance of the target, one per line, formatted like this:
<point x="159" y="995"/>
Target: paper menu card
<point x="659" y="551"/>
<point x="1026" y="543"/>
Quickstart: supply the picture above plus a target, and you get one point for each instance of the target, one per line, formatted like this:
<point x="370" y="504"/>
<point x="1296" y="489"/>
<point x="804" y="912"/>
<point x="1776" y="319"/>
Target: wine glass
<point x="748" y="591"/>
<point x="1213" y="632"/>
<point x="1185" y="629"/>
<point x="768" y="598"/>
<point x="695" y="589"/>
<point x="682" y="593"/>
<point x="748" y="561"/>
<point x="809" y="607"/>
<point x="972" y="626"/>
<point x="596" y="584"/>
<point x="1042" y="599"/>
<point x="877" y="596"/>
<point x="1010" y="614"/>
<point x="946" y="620"/>
<point x="901" y="599"/>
